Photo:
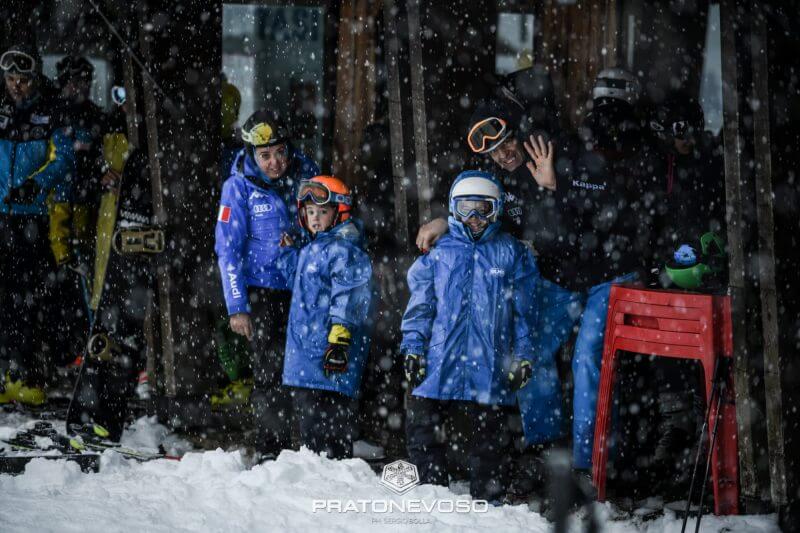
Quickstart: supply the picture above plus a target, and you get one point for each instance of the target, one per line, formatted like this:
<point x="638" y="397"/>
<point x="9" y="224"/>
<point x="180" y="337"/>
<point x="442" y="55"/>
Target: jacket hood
<point x="351" y="230"/>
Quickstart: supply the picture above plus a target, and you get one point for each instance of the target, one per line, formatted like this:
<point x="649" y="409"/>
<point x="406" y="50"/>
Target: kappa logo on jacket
<point x="497" y="272"/>
<point x="256" y="194"/>
<point x="588" y="185"/>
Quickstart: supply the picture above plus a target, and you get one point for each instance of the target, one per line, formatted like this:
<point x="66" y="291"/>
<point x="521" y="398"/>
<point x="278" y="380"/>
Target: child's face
<point x="319" y="217"/>
<point x="476" y="225"/>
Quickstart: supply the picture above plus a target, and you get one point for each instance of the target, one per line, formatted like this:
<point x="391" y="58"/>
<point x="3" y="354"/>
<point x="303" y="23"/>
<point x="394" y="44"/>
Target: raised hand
<point x="541" y="168"/>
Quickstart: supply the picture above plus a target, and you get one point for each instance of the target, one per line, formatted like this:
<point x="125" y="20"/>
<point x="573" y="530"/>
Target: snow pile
<point x="147" y="434"/>
<point x="216" y="491"/>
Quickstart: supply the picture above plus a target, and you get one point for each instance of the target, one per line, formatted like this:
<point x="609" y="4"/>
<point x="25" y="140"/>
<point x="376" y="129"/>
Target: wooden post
<point x="396" y="121"/>
<point x="766" y="259"/>
<point x="160" y="215"/>
<point x="355" y="84"/>
<point x="736" y="258"/>
<point x="131" y="117"/>
<point x="424" y="189"/>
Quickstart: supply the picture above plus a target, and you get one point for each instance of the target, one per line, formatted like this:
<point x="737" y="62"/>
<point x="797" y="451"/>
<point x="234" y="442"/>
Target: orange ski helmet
<point x="324" y="190"/>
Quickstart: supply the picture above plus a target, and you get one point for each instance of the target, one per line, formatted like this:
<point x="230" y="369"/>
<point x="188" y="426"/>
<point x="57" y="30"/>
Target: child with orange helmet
<point x="327" y="340"/>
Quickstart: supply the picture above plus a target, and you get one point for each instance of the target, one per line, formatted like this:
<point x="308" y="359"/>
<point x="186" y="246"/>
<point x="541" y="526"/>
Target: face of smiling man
<point x="508" y="155"/>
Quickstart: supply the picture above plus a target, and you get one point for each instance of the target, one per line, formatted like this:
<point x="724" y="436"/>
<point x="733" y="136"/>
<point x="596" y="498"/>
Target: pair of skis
<point x="84" y="446"/>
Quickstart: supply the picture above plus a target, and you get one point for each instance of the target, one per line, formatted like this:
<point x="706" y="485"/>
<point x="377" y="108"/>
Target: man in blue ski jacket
<point x="328" y="339"/>
<point x="36" y="157"/>
<point x="467" y="337"/>
<point x="256" y="209"/>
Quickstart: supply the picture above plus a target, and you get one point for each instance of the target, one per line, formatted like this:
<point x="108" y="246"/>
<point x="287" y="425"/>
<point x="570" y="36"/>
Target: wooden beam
<point x="766" y="259"/>
<point x="424" y="189"/>
<point x="355" y="87"/>
<point x="160" y="215"/>
<point x="736" y="257"/>
<point x="392" y="43"/>
<point x="577" y="42"/>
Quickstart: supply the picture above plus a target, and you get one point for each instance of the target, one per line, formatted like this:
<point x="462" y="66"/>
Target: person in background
<point x="36" y="157"/>
<point x="73" y="218"/>
<point x="231" y="141"/>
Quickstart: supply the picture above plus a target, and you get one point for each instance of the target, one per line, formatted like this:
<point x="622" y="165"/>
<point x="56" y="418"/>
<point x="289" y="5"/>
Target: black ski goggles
<point x="487" y="135"/>
<point x="680" y="129"/>
<point x="16" y="61"/>
<point x="320" y="194"/>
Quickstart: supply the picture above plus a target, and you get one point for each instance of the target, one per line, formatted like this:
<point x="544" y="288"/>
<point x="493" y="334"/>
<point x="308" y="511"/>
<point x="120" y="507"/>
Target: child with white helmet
<point x="467" y="336"/>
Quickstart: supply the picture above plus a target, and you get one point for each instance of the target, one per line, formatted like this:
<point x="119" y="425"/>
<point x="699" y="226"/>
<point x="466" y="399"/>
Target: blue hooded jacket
<point x="472" y="309"/>
<point x="330" y="280"/>
<point x="254" y="212"/>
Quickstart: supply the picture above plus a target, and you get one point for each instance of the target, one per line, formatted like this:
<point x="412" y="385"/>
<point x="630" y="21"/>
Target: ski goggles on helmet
<point x="476" y="206"/>
<point x="16" y="61"/>
<point x="487" y="134"/>
<point x="320" y="194"/>
<point x="261" y="134"/>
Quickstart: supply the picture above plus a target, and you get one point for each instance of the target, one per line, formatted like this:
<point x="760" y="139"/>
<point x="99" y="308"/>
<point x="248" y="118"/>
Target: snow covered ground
<point x="217" y="491"/>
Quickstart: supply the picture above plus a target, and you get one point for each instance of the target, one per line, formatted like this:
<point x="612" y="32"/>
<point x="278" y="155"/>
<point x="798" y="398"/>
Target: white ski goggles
<point x="17" y="61"/>
<point x="476" y="206"/>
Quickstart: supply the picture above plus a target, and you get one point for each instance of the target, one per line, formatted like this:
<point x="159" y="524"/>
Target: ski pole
<point x="709" y="457"/>
<point x="714" y="385"/>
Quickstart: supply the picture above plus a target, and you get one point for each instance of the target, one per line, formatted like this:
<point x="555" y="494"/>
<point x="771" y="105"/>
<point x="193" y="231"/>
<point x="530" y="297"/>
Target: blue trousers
<point x="560" y="312"/>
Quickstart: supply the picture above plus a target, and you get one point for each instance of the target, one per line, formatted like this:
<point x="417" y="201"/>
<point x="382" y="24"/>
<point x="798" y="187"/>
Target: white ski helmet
<point x="616" y="83"/>
<point x="477" y="184"/>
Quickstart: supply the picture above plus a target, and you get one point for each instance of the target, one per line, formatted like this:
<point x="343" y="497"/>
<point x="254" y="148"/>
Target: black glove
<point x="336" y="355"/>
<point x="519" y="374"/>
<point x="24" y="194"/>
<point x="414" y="367"/>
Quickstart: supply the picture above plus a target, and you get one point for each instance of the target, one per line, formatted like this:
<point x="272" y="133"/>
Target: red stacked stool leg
<point x="677" y="325"/>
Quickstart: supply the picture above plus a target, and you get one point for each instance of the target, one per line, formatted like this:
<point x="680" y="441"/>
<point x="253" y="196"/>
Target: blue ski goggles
<point x="476" y="206"/>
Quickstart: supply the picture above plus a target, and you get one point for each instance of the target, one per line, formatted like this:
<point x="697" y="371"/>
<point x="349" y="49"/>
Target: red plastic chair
<point x="679" y="325"/>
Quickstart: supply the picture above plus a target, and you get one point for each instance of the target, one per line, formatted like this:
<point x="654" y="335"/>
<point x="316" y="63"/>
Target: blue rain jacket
<point x="472" y="309"/>
<point x="254" y="212"/>
<point x="330" y="282"/>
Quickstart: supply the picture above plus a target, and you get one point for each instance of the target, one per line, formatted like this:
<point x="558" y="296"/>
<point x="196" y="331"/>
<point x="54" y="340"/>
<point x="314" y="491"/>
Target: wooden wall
<point x="355" y="83"/>
<point x="577" y="42"/>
